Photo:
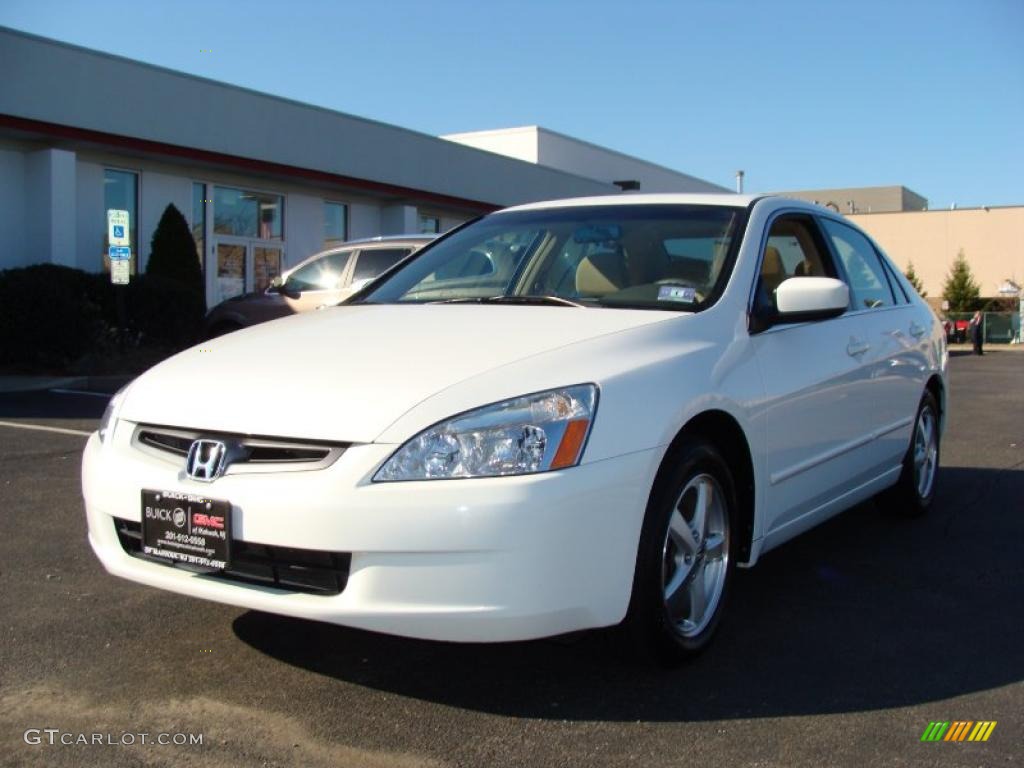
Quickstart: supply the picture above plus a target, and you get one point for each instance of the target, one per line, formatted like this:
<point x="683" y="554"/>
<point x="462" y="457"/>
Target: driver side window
<point x="794" y="249"/>
<point x="323" y="274"/>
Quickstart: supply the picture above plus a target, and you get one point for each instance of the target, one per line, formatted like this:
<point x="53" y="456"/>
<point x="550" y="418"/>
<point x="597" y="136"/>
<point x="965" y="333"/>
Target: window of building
<point x="868" y="282"/>
<point x="121" y="193"/>
<point x="430" y="225"/>
<point x="335" y="224"/>
<point x="199" y="219"/>
<point x="245" y="213"/>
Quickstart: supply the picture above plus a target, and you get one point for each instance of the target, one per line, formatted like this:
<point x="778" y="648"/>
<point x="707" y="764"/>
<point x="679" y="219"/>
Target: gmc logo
<point x="209" y="521"/>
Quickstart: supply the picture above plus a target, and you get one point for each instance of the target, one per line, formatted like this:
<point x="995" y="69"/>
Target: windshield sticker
<point x="681" y="293"/>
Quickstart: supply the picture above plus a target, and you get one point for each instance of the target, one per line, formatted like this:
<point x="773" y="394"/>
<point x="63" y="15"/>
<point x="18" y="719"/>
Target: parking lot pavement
<point x="839" y="648"/>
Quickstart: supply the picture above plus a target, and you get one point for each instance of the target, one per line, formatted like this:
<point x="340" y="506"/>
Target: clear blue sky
<point x="798" y="94"/>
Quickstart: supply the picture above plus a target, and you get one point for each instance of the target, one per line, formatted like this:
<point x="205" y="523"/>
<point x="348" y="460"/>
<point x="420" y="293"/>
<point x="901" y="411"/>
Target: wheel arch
<point x="937" y="387"/>
<point x="723" y="431"/>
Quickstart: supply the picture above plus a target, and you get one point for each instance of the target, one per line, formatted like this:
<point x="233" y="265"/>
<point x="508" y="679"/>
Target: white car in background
<point x="561" y="416"/>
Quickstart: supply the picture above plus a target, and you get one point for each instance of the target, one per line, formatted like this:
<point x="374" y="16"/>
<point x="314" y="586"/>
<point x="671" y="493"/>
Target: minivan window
<point x="323" y="274"/>
<point x="673" y="257"/>
<point x="372" y="262"/>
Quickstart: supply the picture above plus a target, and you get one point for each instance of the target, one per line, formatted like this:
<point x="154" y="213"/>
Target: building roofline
<point x="211" y="81"/>
<point x="237" y="162"/>
<point x="541" y="129"/>
<point x="378" y="124"/>
<point x="958" y="209"/>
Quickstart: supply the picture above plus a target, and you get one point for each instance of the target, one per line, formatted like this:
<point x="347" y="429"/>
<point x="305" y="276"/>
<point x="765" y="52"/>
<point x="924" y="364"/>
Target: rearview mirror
<point x="811" y="298"/>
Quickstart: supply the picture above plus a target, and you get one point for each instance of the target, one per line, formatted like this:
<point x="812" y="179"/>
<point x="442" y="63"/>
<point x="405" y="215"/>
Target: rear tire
<point x="685" y="560"/>
<point x="913" y="493"/>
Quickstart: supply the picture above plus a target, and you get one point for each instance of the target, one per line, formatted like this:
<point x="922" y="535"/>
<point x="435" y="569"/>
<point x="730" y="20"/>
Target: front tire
<point x="913" y="493"/>
<point x="685" y="560"/>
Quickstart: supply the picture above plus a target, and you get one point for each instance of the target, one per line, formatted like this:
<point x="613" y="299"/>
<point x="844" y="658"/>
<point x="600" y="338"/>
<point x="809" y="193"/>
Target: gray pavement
<point x="839" y="647"/>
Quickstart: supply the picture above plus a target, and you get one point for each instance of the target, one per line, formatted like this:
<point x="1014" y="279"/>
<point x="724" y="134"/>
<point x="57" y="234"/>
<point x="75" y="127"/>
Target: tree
<point x="914" y="280"/>
<point x="172" y="254"/>
<point x="961" y="290"/>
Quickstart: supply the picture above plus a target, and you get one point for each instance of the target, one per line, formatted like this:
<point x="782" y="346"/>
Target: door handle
<point x="322" y="306"/>
<point x="857" y="347"/>
<point x="917" y="331"/>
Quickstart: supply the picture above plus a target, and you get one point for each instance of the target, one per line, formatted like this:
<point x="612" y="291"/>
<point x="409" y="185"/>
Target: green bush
<point x="173" y="258"/>
<point x="53" y="316"/>
<point x="49" y="315"/>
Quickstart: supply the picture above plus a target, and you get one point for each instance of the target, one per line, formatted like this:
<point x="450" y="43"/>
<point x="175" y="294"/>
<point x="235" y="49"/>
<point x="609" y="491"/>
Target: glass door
<point x="267" y="263"/>
<point x="241" y="265"/>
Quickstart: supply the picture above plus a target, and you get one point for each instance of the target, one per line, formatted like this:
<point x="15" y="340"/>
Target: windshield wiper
<point x="552" y="301"/>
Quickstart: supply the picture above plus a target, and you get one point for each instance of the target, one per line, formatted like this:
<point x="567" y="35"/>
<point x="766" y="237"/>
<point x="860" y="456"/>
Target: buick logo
<point x="206" y="460"/>
<point x="179" y="517"/>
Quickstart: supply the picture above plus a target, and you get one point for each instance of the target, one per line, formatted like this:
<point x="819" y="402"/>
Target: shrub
<point x="49" y="315"/>
<point x="173" y="257"/>
<point x="53" y="316"/>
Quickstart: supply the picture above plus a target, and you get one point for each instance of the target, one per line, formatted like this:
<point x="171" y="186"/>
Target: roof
<point x="738" y="201"/>
<point x="75" y="97"/>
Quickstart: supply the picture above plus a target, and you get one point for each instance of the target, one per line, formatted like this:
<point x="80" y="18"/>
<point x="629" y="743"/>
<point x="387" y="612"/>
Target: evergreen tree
<point x="914" y="280"/>
<point x="172" y="255"/>
<point x="961" y="290"/>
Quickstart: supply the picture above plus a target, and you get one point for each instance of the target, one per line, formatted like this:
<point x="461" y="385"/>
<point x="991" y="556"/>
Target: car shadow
<point x="868" y="611"/>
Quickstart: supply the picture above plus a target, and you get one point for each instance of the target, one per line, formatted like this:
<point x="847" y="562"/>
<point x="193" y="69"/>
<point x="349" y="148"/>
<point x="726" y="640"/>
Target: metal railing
<point x="997" y="327"/>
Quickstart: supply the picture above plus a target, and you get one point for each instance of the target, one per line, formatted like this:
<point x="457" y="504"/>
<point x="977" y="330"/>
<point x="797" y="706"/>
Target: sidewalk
<point x="100" y="384"/>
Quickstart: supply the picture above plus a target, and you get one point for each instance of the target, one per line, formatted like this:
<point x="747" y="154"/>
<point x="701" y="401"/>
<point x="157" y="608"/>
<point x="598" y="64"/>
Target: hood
<point x="347" y="373"/>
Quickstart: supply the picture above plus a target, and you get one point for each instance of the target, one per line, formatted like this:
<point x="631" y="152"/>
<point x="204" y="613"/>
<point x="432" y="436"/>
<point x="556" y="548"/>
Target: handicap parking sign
<point x="117" y="227"/>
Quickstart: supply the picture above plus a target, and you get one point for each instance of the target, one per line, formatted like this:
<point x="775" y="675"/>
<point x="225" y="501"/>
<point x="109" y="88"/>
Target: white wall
<point x="14" y="250"/>
<point x="520" y="143"/>
<point x="575" y="156"/>
<point x="581" y="158"/>
<point x="363" y="220"/>
<point x="91" y="217"/>
<point x="50" y="205"/>
<point x="303" y="227"/>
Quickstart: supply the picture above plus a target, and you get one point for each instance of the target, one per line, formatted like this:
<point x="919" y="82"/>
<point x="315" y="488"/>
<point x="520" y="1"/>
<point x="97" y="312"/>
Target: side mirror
<point x="276" y="283"/>
<point x="800" y="299"/>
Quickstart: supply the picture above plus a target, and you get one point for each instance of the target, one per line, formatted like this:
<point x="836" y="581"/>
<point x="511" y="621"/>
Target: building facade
<point x="991" y="240"/>
<point x="545" y="147"/>
<point x="263" y="181"/>
<point x="853" y="200"/>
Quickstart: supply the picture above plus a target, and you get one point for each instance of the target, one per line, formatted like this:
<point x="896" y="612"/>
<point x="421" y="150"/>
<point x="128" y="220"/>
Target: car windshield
<point x="628" y="256"/>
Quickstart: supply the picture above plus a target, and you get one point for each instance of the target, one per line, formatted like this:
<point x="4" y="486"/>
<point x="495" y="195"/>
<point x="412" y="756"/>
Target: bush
<point x="173" y="256"/>
<point x="52" y="316"/>
<point x="163" y="311"/>
<point x="49" y="315"/>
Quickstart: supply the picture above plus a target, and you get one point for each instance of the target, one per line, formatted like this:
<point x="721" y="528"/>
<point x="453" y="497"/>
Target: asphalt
<point x="839" y="648"/>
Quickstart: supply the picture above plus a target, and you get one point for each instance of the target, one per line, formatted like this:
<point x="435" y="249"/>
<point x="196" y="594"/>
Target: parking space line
<point x="42" y="428"/>
<point x="80" y="392"/>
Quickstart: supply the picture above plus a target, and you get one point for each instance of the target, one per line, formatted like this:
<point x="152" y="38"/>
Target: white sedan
<point x="561" y="416"/>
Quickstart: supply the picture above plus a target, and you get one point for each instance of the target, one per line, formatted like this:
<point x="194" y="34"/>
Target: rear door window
<point x="373" y="262"/>
<point x="868" y="282"/>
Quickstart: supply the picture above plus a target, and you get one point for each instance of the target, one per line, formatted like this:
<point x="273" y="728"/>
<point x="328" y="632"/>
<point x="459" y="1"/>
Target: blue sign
<point x="118" y="231"/>
<point x="119" y="252"/>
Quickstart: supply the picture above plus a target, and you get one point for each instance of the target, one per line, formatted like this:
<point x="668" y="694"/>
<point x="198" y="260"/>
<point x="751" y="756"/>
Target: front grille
<point x="293" y="570"/>
<point x="248" y="453"/>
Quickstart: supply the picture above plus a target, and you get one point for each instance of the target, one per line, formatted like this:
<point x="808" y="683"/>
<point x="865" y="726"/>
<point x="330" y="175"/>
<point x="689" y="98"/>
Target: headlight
<point x="108" y="420"/>
<point x="534" y="433"/>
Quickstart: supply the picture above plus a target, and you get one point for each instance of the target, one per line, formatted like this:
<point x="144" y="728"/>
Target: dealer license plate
<point x="185" y="529"/>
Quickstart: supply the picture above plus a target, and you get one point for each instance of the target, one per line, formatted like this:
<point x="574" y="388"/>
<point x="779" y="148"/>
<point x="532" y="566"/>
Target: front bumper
<point x="492" y="559"/>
